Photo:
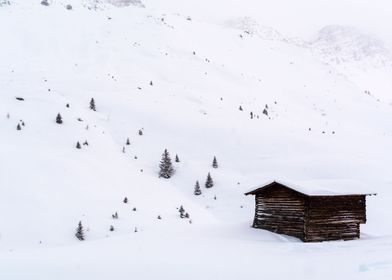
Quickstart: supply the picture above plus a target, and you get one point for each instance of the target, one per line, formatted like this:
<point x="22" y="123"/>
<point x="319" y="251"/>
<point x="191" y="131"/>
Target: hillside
<point x="179" y="73"/>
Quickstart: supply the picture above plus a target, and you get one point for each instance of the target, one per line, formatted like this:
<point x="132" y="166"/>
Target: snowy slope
<point x="325" y="120"/>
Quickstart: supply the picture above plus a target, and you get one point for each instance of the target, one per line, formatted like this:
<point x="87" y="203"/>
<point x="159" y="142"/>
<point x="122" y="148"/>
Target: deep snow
<point x="326" y="121"/>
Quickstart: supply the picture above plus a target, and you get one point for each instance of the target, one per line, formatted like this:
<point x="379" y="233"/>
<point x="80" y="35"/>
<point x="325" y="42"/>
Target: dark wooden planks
<point x="310" y="218"/>
<point x="334" y="217"/>
<point x="282" y="211"/>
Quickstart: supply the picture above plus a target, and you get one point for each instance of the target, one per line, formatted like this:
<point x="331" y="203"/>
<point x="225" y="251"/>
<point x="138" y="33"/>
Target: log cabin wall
<point x="334" y="217"/>
<point x="281" y="210"/>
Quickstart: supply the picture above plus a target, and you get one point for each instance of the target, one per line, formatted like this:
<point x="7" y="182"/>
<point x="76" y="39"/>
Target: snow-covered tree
<point x="59" y="119"/>
<point x="182" y="212"/>
<point x="177" y="159"/>
<point x="92" y="104"/>
<point x="166" y="167"/>
<point x="18" y="127"/>
<point x="197" y="190"/>
<point x="80" y="232"/>
<point x="215" y="163"/>
<point x="78" y="146"/>
<point x="209" y="181"/>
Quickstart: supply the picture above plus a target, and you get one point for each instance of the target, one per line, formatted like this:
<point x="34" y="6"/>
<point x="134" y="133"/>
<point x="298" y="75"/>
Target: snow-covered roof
<point x="320" y="187"/>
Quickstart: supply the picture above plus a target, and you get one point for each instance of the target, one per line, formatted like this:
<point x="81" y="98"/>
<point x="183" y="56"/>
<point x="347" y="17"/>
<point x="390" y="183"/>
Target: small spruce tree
<point x="111" y="228"/>
<point x="182" y="212"/>
<point x="128" y="142"/>
<point x="78" y="146"/>
<point x="215" y="163"/>
<point x="80" y="232"/>
<point x="197" y="190"/>
<point x="18" y="127"/>
<point x="125" y="200"/>
<point x="59" y="119"/>
<point x="177" y="159"/>
<point x="166" y="167"/>
<point x="209" y="181"/>
<point x="140" y="132"/>
<point x="92" y="104"/>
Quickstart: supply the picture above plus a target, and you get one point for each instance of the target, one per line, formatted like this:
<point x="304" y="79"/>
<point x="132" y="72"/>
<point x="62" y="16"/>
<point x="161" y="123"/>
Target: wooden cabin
<point x="309" y="214"/>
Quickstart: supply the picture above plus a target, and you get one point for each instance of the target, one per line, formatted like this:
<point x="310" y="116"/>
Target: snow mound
<point x="252" y="27"/>
<point x="342" y="44"/>
<point x="126" y="3"/>
<point x="103" y="4"/>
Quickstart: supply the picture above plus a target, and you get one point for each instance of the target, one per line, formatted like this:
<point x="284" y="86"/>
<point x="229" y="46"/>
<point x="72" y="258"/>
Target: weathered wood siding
<point x="281" y="210"/>
<point x="334" y="217"/>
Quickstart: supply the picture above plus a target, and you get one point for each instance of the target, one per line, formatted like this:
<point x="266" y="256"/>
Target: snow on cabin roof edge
<point x="326" y="187"/>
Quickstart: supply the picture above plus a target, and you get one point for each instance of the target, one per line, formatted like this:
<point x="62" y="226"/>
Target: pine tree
<point x="115" y="215"/>
<point x="78" y="146"/>
<point x="166" y="167"/>
<point x="125" y="200"/>
<point x="128" y="142"/>
<point x="197" y="190"/>
<point x="215" y="163"/>
<point x="80" y="232"/>
<point x="209" y="181"/>
<point x="92" y="104"/>
<point x="111" y="228"/>
<point x="182" y="211"/>
<point x="18" y="127"/>
<point x="140" y="132"/>
<point x="59" y="119"/>
<point x="240" y="108"/>
<point x="177" y="159"/>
